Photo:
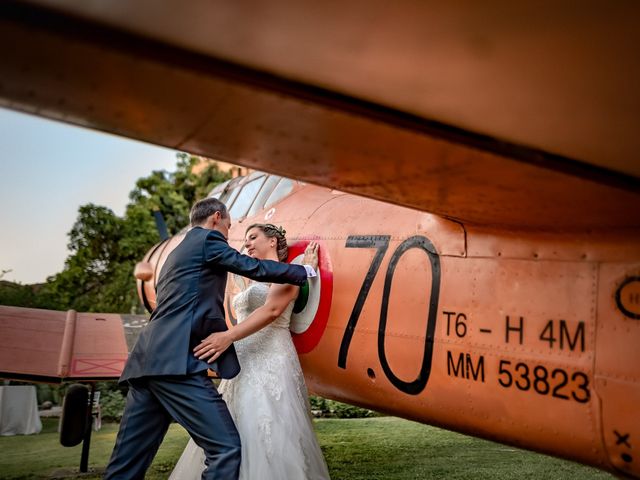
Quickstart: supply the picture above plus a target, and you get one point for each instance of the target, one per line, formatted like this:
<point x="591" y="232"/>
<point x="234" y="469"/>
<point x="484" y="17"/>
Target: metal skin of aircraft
<point x="52" y="347"/>
<point x="500" y="294"/>
<point x="527" y="339"/>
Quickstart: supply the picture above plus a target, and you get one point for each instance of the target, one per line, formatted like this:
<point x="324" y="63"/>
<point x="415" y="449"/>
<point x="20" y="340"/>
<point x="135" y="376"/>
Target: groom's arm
<point x="218" y="252"/>
<point x="279" y="297"/>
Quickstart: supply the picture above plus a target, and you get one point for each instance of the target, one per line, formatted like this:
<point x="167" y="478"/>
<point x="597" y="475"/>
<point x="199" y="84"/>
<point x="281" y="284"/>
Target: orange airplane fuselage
<point x="524" y="337"/>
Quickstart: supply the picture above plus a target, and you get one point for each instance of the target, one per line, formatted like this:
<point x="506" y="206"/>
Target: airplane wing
<point x="516" y="115"/>
<point x="504" y="116"/>
<point x="51" y="346"/>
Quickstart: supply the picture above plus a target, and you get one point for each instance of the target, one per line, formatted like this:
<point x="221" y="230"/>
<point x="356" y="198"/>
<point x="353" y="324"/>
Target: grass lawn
<point x="369" y="448"/>
<point x="394" y="449"/>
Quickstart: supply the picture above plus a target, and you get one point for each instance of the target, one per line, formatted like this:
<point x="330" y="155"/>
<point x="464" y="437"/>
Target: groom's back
<point x="178" y="279"/>
<point x="187" y="280"/>
<point x="190" y="297"/>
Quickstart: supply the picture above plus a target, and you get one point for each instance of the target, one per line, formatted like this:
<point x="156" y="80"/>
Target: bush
<point x="49" y="393"/>
<point x="111" y="405"/>
<point x="112" y="400"/>
<point x="322" y="407"/>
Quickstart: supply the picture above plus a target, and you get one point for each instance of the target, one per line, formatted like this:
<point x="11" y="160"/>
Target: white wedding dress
<point x="269" y="404"/>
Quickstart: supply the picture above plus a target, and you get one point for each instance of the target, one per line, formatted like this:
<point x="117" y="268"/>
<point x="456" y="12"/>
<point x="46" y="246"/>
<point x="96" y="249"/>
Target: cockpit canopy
<point x="246" y="196"/>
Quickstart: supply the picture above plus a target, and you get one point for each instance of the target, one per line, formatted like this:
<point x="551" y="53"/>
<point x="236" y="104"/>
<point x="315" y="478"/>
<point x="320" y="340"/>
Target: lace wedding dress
<point x="269" y="404"/>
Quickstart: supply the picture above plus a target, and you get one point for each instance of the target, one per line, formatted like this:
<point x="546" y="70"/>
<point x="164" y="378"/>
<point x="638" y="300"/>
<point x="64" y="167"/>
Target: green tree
<point x="91" y="270"/>
<point x="104" y="248"/>
<point x="30" y="296"/>
<point x="16" y="294"/>
<point x="173" y="193"/>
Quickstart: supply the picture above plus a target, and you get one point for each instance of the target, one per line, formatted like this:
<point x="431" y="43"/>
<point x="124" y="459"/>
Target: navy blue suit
<point x="165" y="379"/>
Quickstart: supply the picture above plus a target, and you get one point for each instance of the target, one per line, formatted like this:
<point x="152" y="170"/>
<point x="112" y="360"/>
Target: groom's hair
<point x="204" y="208"/>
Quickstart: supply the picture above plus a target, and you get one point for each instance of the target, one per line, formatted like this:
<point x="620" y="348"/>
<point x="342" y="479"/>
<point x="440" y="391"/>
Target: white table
<point x="19" y="410"/>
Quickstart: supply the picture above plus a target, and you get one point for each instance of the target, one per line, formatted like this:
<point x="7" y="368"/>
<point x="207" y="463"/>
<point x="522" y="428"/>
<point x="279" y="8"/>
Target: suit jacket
<point x="190" y="296"/>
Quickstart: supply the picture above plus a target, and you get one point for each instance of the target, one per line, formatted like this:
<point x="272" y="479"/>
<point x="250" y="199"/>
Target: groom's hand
<point x="213" y="346"/>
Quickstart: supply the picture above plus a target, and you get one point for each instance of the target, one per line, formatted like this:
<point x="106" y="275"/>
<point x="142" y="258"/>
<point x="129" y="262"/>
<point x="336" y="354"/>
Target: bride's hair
<point x="271" y="231"/>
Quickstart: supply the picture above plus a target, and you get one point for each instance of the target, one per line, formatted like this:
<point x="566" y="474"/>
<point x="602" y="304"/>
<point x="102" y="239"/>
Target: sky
<point x="47" y="170"/>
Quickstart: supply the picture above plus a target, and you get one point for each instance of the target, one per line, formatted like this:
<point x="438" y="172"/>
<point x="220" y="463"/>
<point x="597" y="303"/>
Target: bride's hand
<point x="213" y="346"/>
<point x="311" y="255"/>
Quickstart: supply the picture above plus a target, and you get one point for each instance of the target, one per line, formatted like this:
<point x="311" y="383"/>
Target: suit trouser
<point x="194" y="403"/>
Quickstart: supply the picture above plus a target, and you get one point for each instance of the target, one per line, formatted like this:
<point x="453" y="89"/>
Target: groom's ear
<point x="212" y="220"/>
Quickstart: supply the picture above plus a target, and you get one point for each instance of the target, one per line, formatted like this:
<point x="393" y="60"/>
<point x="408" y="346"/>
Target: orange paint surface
<point x="510" y="335"/>
<point x="50" y="346"/>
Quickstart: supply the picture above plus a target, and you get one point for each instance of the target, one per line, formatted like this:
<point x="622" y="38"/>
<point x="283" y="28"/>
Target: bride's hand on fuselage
<point x="311" y="255"/>
<point x="279" y="297"/>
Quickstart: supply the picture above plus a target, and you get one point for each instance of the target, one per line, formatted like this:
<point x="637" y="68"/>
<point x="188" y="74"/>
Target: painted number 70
<point x="381" y="244"/>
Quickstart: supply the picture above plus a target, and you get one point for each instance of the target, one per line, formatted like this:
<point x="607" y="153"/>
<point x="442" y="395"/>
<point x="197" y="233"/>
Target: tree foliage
<point x="104" y="248"/>
<point x="30" y="296"/>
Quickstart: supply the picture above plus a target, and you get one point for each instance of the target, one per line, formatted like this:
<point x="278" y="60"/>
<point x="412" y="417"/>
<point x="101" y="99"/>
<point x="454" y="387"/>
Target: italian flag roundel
<point x="311" y="309"/>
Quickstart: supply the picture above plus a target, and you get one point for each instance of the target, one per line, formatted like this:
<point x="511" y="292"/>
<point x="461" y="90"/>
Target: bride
<point x="268" y="400"/>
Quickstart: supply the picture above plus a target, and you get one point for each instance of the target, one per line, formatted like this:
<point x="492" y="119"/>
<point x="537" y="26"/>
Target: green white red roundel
<point x="311" y="314"/>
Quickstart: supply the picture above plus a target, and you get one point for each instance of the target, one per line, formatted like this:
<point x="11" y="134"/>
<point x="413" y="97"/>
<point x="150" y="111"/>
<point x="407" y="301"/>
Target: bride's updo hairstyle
<point x="271" y="231"/>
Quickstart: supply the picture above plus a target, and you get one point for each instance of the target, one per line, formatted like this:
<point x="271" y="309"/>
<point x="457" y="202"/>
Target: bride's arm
<point x="279" y="297"/>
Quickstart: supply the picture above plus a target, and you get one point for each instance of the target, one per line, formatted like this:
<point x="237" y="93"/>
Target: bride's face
<point x="258" y="245"/>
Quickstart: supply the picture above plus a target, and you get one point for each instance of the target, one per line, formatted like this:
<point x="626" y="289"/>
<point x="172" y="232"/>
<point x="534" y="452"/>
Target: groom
<point x="166" y="381"/>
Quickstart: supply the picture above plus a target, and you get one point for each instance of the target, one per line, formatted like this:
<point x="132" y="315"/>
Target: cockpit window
<point x="219" y="189"/>
<point x="231" y="191"/>
<point x="263" y="194"/>
<point x="247" y="195"/>
<point x="281" y="190"/>
<point x="230" y="196"/>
